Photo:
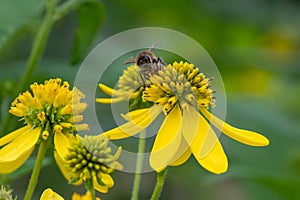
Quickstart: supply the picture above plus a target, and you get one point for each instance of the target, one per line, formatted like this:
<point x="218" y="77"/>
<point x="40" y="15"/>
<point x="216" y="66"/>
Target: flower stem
<point x="139" y="165"/>
<point x="39" y="43"/>
<point x="160" y="179"/>
<point x="36" y="51"/>
<point x="36" y="170"/>
<point x="89" y="184"/>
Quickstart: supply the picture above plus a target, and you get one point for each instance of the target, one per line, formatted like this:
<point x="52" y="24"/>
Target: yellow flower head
<point x="50" y="105"/>
<point x="184" y="95"/>
<point x="89" y="158"/>
<point x="49" y="111"/>
<point x="6" y="194"/>
<point x="180" y="83"/>
<point x="129" y="88"/>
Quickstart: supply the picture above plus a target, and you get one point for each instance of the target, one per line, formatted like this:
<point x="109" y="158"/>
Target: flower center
<point x="179" y="83"/>
<point x="52" y="106"/>
<point x="90" y="156"/>
<point x="130" y="81"/>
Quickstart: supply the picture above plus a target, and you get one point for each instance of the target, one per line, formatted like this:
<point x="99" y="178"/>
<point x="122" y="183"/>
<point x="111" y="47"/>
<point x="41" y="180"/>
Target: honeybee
<point x="149" y="64"/>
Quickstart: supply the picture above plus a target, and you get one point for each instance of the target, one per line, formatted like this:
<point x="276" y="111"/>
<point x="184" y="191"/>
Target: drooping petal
<point x="136" y="125"/>
<point x="109" y="100"/>
<point x="167" y="141"/>
<point x="64" y="170"/>
<point x="49" y="194"/>
<point x="62" y="143"/>
<point x="107" y="180"/>
<point x="98" y="187"/>
<point x="13" y="135"/>
<point x="215" y="161"/>
<point x="182" y="155"/>
<point x="109" y="91"/>
<point x="14" y="154"/>
<point x="244" y="136"/>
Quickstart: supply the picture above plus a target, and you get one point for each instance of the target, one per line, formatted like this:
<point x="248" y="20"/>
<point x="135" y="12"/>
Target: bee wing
<point x="130" y="60"/>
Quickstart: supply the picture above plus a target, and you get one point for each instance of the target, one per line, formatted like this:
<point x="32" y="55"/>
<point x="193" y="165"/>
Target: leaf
<point x="90" y="17"/>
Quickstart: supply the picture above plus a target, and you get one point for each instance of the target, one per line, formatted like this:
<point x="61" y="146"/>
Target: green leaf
<point x="90" y="17"/>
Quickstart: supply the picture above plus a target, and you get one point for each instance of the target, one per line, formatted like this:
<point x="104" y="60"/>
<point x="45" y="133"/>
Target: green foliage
<point x="90" y="16"/>
<point x="16" y="21"/>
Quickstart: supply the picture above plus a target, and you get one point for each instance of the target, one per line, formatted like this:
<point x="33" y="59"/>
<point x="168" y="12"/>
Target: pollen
<point x="180" y="83"/>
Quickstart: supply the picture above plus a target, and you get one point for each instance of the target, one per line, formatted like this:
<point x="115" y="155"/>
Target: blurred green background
<point x="256" y="46"/>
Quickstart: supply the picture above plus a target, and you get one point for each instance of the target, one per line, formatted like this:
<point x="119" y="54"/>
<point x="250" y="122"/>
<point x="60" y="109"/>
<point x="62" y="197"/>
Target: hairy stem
<point x="160" y="179"/>
<point x="139" y="165"/>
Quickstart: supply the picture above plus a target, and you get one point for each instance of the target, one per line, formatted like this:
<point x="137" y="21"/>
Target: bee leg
<point x="160" y="60"/>
<point x="142" y="78"/>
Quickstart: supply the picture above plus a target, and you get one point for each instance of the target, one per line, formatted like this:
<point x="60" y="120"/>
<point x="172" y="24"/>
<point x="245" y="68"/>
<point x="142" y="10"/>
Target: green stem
<point x="89" y="184"/>
<point x="139" y="165"/>
<point x="36" y="170"/>
<point x="36" y="52"/>
<point x="160" y="179"/>
<point x="65" y="8"/>
<point x="39" y="43"/>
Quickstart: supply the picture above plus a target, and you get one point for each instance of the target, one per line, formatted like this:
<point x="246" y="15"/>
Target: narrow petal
<point x="107" y="90"/>
<point x="244" y="136"/>
<point x="13" y="135"/>
<point x="109" y="100"/>
<point x="100" y="188"/>
<point x="215" y="161"/>
<point x="25" y="141"/>
<point x="136" y="125"/>
<point x="49" y="194"/>
<point x="167" y="140"/>
<point x="14" y="154"/>
<point x="61" y="143"/>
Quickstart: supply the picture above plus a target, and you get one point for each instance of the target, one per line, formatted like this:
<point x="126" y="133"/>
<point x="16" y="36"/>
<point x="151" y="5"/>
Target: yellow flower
<point x="183" y="94"/>
<point x="86" y="196"/>
<point x="88" y="158"/>
<point x="129" y="88"/>
<point x="49" y="194"/>
<point x="50" y="112"/>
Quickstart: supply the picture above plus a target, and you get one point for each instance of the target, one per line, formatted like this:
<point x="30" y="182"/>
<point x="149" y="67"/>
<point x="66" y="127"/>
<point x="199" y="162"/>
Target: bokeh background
<point x="256" y="46"/>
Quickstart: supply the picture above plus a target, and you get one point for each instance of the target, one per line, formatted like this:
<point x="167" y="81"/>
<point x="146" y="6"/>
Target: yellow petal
<point x="107" y="180"/>
<point x="49" y="194"/>
<point x="136" y="125"/>
<point x="184" y="152"/>
<point x="109" y="100"/>
<point x="167" y="141"/>
<point x="86" y="196"/>
<point x="62" y="143"/>
<point x="13" y="135"/>
<point x="64" y="170"/>
<point x="106" y="89"/>
<point x="215" y="161"/>
<point x="14" y="154"/>
<point x="244" y="136"/>
<point x="100" y="188"/>
<point x="10" y="166"/>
